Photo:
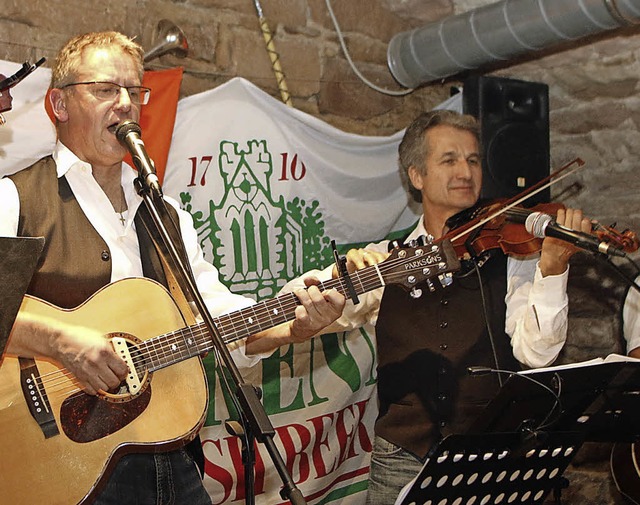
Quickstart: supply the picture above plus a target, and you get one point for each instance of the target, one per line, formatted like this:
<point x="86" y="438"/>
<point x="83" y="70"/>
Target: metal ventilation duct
<point x="498" y="32"/>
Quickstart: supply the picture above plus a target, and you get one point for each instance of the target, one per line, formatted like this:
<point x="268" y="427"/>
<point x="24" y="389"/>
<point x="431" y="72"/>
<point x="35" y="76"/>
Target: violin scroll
<point x="625" y="240"/>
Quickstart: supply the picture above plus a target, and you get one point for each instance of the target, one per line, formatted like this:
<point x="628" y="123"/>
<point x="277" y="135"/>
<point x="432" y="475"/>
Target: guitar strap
<point x="188" y="311"/>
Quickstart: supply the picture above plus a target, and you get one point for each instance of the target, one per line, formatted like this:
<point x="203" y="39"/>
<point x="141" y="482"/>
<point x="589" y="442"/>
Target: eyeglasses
<point x="109" y="91"/>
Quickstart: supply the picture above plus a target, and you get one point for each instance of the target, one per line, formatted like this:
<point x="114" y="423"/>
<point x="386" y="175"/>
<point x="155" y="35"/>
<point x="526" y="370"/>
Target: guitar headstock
<point x="410" y="267"/>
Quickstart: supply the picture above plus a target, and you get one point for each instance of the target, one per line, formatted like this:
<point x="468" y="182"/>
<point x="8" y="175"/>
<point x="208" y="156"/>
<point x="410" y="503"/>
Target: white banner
<point x="28" y="134"/>
<point x="269" y="187"/>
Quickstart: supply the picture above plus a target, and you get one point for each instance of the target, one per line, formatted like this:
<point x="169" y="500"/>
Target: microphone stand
<point x="252" y="410"/>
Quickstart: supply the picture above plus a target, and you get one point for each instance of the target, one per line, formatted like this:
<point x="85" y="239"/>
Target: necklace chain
<point x="124" y="208"/>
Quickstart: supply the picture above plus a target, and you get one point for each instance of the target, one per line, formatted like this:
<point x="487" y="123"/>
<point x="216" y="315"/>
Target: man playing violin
<point x="500" y="313"/>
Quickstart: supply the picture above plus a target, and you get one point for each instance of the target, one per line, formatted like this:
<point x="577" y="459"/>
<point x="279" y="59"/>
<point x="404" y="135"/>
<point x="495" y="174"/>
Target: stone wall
<point x="594" y="101"/>
<point x="593" y="83"/>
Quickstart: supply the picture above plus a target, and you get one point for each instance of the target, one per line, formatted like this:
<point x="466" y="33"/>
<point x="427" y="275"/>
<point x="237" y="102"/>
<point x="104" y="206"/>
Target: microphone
<point x="129" y="134"/>
<point x="542" y="225"/>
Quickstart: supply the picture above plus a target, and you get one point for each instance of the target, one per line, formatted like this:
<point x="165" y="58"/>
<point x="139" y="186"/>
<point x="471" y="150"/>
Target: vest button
<point x="442" y="397"/>
<point x="444" y="347"/>
<point x="443" y="424"/>
<point x="444" y="324"/>
<point x="444" y="301"/>
<point x="105" y="256"/>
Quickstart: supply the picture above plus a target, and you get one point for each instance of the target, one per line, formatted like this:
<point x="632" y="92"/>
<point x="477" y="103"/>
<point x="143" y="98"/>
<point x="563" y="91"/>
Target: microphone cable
<point x="557" y="404"/>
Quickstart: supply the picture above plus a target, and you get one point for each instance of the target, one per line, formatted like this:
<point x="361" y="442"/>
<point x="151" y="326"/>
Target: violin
<point x="494" y="225"/>
<point x="488" y="228"/>
<point x="491" y="225"/>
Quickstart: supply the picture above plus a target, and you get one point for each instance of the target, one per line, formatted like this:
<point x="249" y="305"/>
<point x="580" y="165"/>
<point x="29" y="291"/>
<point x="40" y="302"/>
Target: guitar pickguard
<point x="85" y="418"/>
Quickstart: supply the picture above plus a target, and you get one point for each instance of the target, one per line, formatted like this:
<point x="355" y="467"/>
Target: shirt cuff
<point x="550" y="290"/>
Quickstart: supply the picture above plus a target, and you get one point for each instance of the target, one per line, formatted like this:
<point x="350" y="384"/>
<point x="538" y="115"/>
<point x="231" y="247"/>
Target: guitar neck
<point x="407" y="267"/>
<point x="170" y="348"/>
<point x="270" y="313"/>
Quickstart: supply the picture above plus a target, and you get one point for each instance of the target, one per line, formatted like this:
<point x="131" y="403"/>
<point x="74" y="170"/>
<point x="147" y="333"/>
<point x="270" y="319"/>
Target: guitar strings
<point x="238" y="319"/>
<point x="164" y="348"/>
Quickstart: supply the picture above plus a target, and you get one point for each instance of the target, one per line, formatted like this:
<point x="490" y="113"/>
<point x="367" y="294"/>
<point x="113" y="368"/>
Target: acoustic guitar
<point x="57" y="443"/>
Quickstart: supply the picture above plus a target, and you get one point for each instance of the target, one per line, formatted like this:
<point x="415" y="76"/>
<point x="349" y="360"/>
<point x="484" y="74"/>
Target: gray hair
<point x="65" y="67"/>
<point x="413" y="149"/>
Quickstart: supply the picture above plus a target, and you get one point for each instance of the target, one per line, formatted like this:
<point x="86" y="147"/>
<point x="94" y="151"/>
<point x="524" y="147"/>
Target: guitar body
<point x="94" y="432"/>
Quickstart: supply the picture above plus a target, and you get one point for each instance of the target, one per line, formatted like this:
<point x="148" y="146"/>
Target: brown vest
<point x="424" y="348"/>
<point x="76" y="262"/>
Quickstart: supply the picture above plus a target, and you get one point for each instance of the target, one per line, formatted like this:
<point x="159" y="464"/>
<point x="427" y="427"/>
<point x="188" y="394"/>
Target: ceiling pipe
<point x="498" y="32"/>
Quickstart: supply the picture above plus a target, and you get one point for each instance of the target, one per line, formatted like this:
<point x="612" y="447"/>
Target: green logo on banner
<point x="266" y="241"/>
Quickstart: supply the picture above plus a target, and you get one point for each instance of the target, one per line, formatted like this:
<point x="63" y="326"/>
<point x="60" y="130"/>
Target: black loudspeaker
<point x="514" y="120"/>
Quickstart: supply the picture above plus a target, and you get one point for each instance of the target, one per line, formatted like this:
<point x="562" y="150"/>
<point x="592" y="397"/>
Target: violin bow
<point x="527" y="193"/>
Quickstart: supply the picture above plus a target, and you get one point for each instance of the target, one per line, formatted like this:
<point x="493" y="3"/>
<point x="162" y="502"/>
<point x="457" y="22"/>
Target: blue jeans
<point x="391" y="469"/>
<point x="170" y="478"/>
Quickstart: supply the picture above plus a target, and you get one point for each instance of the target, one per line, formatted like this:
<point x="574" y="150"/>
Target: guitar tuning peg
<point x="415" y="293"/>
<point x="430" y="285"/>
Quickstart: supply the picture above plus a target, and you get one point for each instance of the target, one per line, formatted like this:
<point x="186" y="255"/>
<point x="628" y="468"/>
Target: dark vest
<point x="424" y="348"/>
<point x="76" y="262"/>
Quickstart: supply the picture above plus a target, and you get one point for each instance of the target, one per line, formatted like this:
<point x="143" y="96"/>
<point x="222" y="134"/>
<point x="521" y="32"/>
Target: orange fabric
<point x="157" y="118"/>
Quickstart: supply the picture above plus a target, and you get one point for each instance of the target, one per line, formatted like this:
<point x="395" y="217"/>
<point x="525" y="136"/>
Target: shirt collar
<point x="66" y="160"/>
<point x="419" y="231"/>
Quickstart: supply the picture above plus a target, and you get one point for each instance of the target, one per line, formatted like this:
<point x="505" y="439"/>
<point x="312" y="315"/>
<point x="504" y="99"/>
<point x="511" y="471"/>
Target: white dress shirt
<point x="631" y="318"/>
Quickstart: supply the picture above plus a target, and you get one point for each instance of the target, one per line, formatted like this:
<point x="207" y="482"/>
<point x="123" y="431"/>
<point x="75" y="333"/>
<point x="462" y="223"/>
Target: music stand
<point x="492" y="468"/>
<point x="533" y="427"/>
<point x="601" y="400"/>
<point x="18" y="260"/>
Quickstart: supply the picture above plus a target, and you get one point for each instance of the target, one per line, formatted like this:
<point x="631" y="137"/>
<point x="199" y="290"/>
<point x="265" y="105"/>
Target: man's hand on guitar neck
<point x="318" y="309"/>
<point x="84" y="352"/>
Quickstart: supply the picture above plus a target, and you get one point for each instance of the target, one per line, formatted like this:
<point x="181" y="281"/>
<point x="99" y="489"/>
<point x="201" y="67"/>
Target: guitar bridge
<point x="36" y="397"/>
<point x="121" y="347"/>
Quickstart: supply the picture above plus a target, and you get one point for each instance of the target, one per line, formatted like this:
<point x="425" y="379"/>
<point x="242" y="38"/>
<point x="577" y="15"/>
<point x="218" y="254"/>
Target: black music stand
<point x="601" y="400"/>
<point x="18" y="260"/>
<point x="493" y="468"/>
<point x="519" y="447"/>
